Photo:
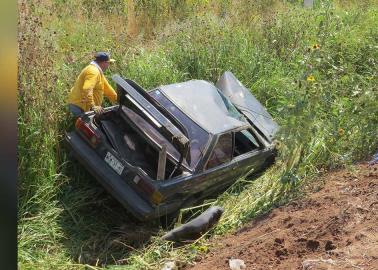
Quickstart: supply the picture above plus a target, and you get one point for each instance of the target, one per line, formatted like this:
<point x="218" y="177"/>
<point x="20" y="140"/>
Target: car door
<point x="247" y="104"/>
<point x="225" y="165"/>
<point x="218" y="170"/>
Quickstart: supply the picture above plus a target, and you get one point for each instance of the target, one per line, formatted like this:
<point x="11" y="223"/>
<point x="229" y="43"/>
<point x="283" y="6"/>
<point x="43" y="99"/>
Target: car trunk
<point x="133" y="143"/>
<point x="126" y="142"/>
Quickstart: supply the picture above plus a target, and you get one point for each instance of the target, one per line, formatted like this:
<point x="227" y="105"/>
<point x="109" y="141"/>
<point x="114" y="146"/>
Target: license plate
<point x="114" y="163"/>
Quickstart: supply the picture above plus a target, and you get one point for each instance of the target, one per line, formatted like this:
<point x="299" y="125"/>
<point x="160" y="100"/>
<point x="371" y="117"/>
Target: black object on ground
<point x="196" y="227"/>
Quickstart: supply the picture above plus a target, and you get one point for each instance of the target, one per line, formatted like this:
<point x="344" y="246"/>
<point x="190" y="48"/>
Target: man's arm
<point x="109" y="92"/>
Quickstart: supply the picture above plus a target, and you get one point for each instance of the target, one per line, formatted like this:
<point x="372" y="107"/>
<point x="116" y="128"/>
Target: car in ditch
<point x="160" y="150"/>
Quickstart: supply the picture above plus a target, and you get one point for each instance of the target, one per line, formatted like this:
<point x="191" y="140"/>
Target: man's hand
<point x="98" y="110"/>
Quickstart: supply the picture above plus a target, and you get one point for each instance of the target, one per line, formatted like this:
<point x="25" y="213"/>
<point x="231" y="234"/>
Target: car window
<point x="222" y="152"/>
<point x="245" y="142"/>
<point x="232" y="111"/>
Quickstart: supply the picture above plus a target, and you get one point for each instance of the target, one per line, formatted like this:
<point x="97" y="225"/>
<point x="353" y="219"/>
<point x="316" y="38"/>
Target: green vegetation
<point x="314" y="69"/>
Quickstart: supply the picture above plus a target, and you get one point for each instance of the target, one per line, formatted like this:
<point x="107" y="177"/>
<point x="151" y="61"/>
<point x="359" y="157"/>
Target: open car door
<point x="242" y="98"/>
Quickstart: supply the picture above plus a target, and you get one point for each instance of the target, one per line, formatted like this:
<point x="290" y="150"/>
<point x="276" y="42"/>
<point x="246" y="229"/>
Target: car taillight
<point x="153" y="194"/>
<point x="87" y="131"/>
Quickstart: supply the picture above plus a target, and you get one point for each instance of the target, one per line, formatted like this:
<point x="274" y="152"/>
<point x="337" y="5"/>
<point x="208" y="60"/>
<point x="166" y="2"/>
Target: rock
<point x="169" y="266"/>
<point x="236" y="264"/>
<point x="318" y="264"/>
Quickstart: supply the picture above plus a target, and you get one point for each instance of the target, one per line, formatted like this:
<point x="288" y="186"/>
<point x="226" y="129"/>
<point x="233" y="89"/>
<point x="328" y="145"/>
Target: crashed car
<point x="167" y="148"/>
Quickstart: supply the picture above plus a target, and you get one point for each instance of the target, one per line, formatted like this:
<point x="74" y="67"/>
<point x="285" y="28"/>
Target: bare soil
<point x="333" y="228"/>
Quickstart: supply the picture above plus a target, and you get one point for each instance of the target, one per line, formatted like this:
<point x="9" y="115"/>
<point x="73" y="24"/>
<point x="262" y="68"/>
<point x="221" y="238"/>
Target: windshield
<point x="232" y="111"/>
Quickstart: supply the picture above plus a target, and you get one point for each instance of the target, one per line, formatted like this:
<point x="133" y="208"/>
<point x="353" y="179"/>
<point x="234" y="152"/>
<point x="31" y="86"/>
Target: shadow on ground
<point x="97" y="229"/>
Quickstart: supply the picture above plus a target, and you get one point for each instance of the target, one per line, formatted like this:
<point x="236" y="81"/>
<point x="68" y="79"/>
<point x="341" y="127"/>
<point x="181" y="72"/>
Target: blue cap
<point x="103" y="57"/>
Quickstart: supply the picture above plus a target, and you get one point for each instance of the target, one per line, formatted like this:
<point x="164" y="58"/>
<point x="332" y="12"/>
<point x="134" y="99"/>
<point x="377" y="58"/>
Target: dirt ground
<point x="333" y="228"/>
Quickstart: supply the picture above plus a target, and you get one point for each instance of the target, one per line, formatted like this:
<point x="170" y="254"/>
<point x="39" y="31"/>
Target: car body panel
<point x="113" y="183"/>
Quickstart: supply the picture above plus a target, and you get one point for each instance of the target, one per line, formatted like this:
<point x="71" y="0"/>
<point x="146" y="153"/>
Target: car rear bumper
<point x="112" y="182"/>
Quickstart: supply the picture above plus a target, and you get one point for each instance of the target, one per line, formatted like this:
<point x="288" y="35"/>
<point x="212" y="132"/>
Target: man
<point x="91" y="86"/>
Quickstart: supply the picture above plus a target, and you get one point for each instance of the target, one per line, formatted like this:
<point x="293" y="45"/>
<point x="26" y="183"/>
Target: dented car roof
<point x="205" y="105"/>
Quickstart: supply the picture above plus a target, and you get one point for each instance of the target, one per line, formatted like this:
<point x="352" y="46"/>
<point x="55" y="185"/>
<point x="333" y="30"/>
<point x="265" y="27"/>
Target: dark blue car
<point x="170" y="147"/>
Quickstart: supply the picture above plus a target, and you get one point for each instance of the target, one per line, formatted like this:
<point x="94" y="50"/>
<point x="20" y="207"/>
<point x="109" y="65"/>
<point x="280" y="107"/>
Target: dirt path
<point x="334" y="228"/>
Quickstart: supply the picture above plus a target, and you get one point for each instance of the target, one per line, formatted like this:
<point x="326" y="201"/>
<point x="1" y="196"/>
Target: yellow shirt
<point x="90" y="88"/>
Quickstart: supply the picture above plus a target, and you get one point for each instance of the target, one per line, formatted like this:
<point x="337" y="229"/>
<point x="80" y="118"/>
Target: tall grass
<point x="324" y="98"/>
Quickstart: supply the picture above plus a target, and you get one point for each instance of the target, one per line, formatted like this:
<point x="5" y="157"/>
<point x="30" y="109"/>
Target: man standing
<point x="90" y="87"/>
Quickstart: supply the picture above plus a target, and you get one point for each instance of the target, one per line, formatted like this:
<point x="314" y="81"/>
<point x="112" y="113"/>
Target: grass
<point x="324" y="98"/>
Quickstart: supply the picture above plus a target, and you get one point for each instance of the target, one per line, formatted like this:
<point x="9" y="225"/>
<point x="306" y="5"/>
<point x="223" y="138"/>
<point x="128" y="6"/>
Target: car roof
<point x="204" y="104"/>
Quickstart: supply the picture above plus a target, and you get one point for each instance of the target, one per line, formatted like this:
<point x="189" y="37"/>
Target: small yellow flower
<point x="341" y="131"/>
<point x="310" y="78"/>
<point x="316" y="46"/>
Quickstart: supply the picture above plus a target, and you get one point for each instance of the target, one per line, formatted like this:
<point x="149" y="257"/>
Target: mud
<point x="333" y="228"/>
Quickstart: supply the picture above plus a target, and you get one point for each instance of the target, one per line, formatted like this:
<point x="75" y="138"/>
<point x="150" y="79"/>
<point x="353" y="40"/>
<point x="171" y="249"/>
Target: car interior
<point x="245" y="142"/>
